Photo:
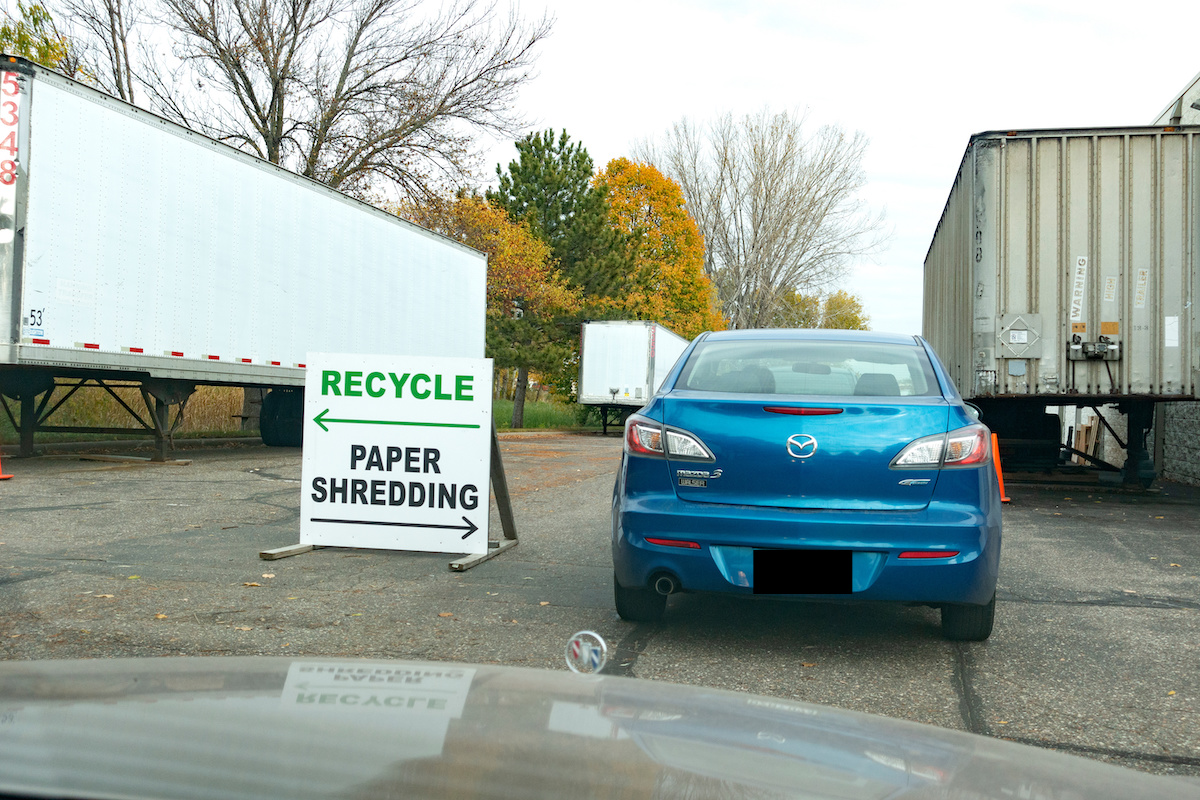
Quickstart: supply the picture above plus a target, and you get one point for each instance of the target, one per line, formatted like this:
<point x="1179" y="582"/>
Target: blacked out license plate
<point x="803" y="571"/>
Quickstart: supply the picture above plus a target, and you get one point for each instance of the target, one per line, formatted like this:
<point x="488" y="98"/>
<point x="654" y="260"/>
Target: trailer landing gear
<point x="1139" y="466"/>
<point x="1030" y="440"/>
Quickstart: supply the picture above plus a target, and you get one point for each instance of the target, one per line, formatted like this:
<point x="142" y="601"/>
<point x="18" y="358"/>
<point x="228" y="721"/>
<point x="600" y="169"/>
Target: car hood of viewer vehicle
<point x="258" y="728"/>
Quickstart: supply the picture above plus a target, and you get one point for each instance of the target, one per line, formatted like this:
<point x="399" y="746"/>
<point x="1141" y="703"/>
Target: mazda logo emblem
<point x="801" y="445"/>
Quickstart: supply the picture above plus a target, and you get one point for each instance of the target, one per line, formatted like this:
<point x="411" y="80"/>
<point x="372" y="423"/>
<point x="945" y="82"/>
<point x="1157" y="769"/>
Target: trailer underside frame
<point x="40" y="396"/>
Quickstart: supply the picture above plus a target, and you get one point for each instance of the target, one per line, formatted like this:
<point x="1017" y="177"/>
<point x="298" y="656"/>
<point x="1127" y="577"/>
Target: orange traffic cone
<point x="3" y="477"/>
<point x="1004" y="498"/>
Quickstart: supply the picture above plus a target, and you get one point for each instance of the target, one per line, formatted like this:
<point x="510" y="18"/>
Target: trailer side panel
<point x="150" y="248"/>
<point x="1066" y="262"/>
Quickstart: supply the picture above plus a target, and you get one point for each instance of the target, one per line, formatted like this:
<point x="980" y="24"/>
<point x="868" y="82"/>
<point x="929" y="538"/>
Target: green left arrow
<point x="321" y="419"/>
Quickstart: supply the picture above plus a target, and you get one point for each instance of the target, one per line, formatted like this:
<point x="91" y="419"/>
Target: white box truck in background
<point x="1063" y="272"/>
<point x="622" y="364"/>
<point x="134" y="250"/>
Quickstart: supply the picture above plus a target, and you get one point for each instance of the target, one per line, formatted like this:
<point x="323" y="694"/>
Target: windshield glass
<point x="791" y="367"/>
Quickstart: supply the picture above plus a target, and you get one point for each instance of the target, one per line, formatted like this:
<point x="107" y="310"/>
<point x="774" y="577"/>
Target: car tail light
<point x="684" y="445"/>
<point x="646" y="438"/>
<point x="965" y="447"/>
<point x="643" y="439"/>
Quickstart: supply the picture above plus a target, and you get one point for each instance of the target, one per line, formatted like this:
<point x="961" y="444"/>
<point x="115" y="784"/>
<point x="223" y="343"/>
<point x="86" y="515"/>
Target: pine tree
<point x="550" y="187"/>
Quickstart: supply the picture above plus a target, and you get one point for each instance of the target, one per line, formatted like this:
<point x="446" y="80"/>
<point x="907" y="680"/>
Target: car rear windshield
<point x="789" y="367"/>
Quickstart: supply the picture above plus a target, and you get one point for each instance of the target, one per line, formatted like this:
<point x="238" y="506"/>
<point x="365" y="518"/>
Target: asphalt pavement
<point x="1096" y="650"/>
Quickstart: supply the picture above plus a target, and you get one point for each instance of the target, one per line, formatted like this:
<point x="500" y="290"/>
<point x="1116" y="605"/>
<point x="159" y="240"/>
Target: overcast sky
<point x="917" y="78"/>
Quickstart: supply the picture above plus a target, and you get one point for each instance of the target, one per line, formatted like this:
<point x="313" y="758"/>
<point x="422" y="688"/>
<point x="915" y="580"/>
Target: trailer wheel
<point x="281" y="420"/>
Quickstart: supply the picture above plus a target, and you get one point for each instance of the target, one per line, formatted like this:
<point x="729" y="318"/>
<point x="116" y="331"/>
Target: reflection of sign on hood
<point x="387" y="688"/>
<point x="244" y="729"/>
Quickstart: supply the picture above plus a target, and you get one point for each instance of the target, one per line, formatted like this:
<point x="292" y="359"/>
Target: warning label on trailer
<point x="1079" y="288"/>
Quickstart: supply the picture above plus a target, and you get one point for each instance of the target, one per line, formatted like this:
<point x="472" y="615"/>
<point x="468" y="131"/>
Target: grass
<point x="549" y="415"/>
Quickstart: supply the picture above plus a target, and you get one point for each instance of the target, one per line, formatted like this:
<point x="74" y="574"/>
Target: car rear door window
<point x="810" y="368"/>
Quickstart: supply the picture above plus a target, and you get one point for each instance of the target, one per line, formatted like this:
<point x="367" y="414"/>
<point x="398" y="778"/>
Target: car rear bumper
<point x="728" y="535"/>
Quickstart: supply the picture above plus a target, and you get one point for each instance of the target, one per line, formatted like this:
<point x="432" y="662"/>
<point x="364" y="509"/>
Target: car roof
<point x="813" y="335"/>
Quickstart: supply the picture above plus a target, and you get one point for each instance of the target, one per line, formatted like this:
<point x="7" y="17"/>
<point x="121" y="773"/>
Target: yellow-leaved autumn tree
<point x="519" y="263"/>
<point x="527" y="298"/>
<point x="837" y="310"/>
<point x="667" y="283"/>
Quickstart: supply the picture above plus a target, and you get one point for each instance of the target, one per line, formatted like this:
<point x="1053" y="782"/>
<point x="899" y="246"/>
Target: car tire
<point x="638" y="605"/>
<point x="968" y="623"/>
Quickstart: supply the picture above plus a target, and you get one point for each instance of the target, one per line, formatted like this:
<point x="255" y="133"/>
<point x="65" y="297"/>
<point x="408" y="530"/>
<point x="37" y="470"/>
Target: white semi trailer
<point x="134" y="251"/>
<point x="622" y="363"/>
<point x="1063" y="272"/>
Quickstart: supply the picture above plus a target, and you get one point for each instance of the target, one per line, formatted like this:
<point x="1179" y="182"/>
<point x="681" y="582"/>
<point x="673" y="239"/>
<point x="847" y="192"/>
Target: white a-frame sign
<point x="396" y="452"/>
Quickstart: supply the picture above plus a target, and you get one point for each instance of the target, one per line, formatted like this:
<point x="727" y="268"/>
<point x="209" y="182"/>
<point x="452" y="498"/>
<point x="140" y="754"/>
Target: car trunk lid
<point x="791" y="453"/>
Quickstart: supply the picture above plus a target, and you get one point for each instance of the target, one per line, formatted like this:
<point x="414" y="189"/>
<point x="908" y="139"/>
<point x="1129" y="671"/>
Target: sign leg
<point x="500" y="487"/>
<point x="503" y="505"/>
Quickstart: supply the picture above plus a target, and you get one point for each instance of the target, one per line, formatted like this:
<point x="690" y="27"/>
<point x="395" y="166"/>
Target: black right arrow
<point x="470" y="527"/>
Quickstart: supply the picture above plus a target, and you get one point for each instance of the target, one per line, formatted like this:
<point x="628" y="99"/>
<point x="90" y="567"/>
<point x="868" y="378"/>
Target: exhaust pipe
<point x="665" y="585"/>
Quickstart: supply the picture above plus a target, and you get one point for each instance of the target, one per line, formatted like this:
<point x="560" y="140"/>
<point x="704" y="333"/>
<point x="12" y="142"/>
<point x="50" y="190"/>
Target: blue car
<point x="809" y="464"/>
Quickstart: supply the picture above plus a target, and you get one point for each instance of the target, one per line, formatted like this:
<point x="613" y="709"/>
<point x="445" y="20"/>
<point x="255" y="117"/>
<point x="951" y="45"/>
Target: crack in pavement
<point x="1128" y="601"/>
<point x="259" y="473"/>
<point x="971" y="708"/>
<point x="74" y="507"/>
<point x="1190" y="761"/>
<point x="969" y="704"/>
<point x="29" y="576"/>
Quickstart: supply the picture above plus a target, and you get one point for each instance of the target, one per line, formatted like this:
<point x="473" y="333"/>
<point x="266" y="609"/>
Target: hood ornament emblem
<point x="801" y="445"/>
<point x="587" y="653"/>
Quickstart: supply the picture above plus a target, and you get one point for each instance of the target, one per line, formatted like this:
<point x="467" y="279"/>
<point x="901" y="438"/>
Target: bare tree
<point x="105" y="29"/>
<point x="363" y="95"/>
<point x="778" y="209"/>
